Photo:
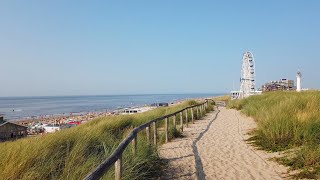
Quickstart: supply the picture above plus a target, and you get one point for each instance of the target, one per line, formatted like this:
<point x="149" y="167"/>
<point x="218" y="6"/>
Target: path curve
<point x="215" y="148"/>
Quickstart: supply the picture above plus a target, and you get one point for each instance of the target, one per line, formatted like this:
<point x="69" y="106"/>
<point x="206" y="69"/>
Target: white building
<point x="51" y="128"/>
<point x="299" y="75"/>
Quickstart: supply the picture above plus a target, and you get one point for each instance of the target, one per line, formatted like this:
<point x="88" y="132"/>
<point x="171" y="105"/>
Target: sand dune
<point x="215" y="148"/>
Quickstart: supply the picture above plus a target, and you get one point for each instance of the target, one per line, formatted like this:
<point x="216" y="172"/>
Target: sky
<point x="78" y="47"/>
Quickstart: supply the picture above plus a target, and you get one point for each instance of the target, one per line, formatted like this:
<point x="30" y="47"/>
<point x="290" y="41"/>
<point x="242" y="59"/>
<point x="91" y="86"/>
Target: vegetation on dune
<point x="73" y="153"/>
<point x="225" y="98"/>
<point x="287" y="120"/>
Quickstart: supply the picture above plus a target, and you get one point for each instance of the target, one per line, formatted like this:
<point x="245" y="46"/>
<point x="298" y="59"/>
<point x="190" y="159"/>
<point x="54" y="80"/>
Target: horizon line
<point x="133" y="94"/>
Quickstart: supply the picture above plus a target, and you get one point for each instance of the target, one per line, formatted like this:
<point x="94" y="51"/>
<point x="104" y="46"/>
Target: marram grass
<point x="73" y="153"/>
<point x="287" y="120"/>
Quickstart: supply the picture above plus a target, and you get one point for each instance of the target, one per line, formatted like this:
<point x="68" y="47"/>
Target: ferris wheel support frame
<point x="247" y="79"/>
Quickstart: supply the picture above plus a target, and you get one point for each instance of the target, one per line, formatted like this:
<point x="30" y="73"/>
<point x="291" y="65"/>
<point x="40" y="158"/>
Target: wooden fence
<point x="116" y="157"/>
<point x="221" y="103"/>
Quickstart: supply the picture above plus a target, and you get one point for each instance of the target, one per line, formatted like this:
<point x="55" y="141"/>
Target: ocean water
<point x="14" y="108"/>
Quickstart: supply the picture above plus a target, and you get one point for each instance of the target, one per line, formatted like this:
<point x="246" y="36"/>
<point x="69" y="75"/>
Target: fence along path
<point x="116" y="157"/>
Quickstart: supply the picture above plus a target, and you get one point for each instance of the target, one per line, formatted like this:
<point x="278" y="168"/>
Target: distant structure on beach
<point x="9" y="130"/>
<point x="133" y="110"/>
<point x="284" y="85"/>
<point x="247" y="87"/>
<point x="159" y="105"/>
<point x="299" y="75"/>
<point x="281" y="85"/>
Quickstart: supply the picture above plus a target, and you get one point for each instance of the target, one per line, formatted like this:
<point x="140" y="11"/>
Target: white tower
<point x="299" y="75"/>
<point x="247" y="87"/>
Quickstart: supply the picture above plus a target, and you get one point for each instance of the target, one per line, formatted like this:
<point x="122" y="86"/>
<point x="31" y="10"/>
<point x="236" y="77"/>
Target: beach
<point x="50" y="119"/>
<point x="26" y="108"/>
<point x="66" y="120"/>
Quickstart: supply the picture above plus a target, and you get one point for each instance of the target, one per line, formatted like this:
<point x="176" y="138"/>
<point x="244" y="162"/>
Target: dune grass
<point x="225" y="98"/>
<point x="287" y="120"/>
<point x="73" y="153"/>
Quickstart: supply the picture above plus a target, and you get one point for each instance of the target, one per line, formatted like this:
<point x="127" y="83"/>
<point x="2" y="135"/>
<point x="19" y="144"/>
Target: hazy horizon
<point x="63" y="48"/>
<point x="83" y="95"/>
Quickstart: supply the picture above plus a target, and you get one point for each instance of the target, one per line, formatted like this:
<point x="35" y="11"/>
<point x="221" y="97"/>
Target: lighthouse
<point x="299" y="81"/>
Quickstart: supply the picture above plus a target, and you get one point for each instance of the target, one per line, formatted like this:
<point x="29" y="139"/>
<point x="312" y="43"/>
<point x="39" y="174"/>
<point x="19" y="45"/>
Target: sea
<point x="17" y="108"/>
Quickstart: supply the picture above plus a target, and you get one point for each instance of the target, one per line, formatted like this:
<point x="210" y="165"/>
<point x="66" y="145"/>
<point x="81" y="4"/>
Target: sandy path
<point x="215" y="148"/>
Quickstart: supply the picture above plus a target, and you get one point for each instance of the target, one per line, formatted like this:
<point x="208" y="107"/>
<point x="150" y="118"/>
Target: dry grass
<point x="73" y="153"/>
<point x="287" y="120"/>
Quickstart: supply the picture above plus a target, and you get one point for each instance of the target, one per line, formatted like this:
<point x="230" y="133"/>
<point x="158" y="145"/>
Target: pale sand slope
<point x="215" y="148"/>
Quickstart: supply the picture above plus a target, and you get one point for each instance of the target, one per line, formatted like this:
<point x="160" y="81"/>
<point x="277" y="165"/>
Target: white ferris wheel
<point x="247" y="75"/>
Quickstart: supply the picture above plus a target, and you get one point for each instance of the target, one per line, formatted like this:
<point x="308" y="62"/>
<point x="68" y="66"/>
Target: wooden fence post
<point x="198" y="115"/>
<point x="134" y="145"/>
<point x="187" y="117"/>
<point x="155" y="133"/>
<point x="201" y="110"/>
<point x="192" y="116"/>
<point x="181" y="121"/>
<point x="118" y="168"/>
<point x="166" y="129"/>
<point x="148" y="134"/>
<point x="175" y="121"/>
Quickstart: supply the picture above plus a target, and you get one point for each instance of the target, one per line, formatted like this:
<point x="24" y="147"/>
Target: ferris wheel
<point x="247" y="75"/>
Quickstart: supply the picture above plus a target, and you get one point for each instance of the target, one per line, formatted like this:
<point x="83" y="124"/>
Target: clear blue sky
<point x="168" y="46"/>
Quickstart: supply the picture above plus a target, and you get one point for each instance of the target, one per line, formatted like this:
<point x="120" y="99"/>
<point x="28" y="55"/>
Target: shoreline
<point x="81" y="117"/>
<point x="16" y="109"/>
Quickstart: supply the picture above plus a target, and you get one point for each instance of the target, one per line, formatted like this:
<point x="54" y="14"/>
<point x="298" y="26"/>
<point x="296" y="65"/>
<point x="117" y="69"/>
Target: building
<point x="9" y="130"/>
<point x="133" y="110"/>
<point x="299" y="75"/>
<point x="281" y="85"/>
<point x="159" y="105"/>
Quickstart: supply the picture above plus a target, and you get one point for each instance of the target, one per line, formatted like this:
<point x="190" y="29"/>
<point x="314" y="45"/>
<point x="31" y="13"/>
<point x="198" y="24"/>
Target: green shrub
<point x="174" y="133"/>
